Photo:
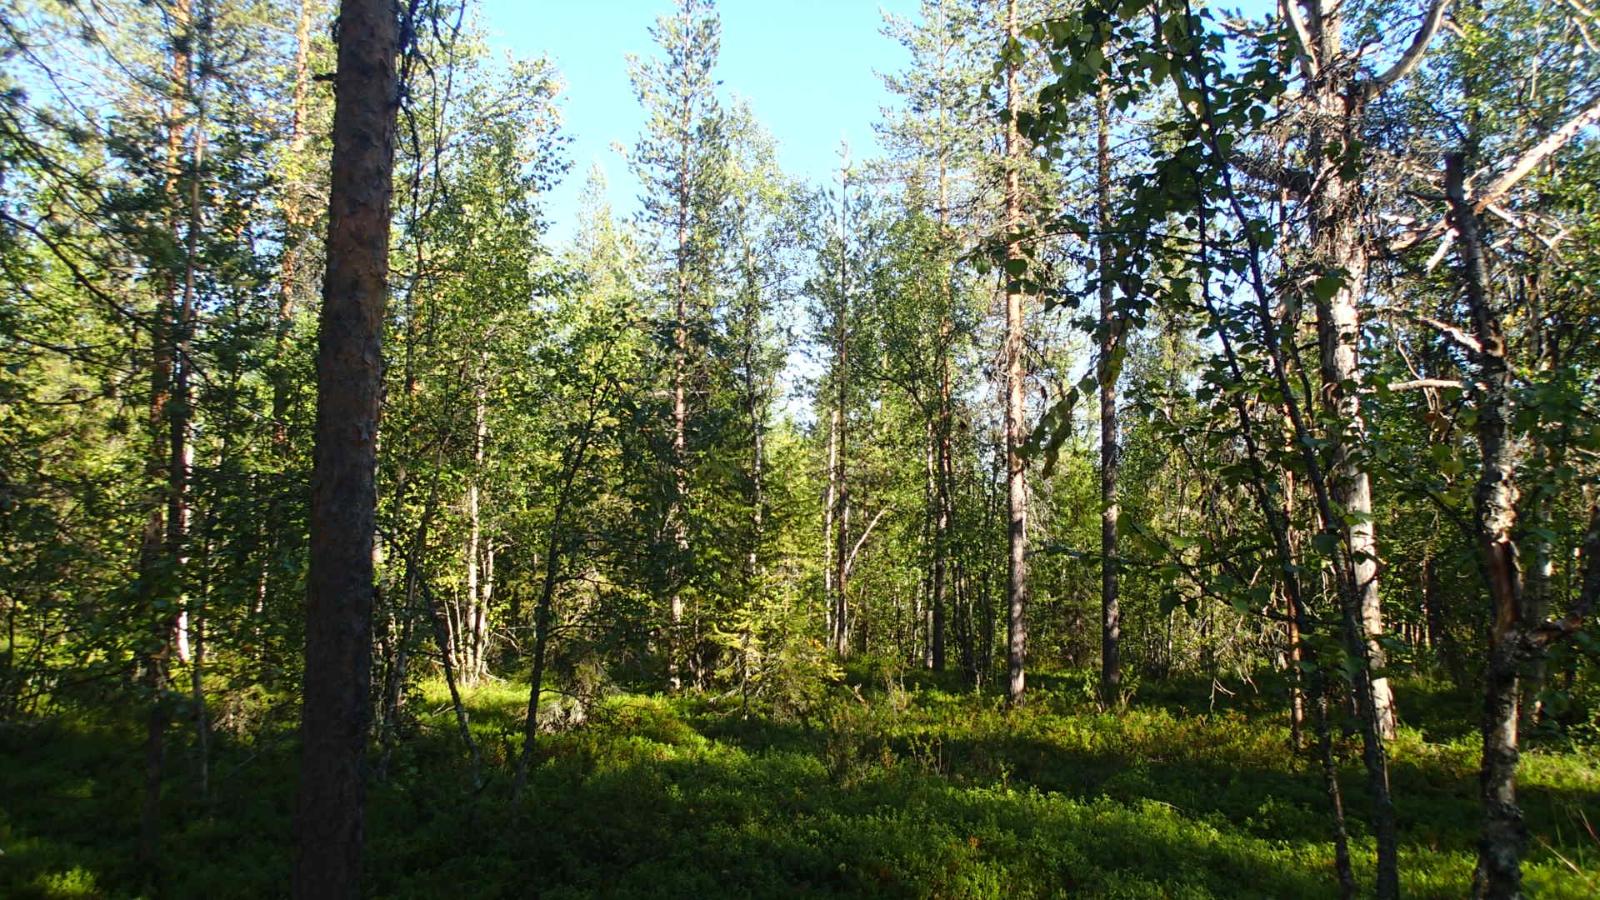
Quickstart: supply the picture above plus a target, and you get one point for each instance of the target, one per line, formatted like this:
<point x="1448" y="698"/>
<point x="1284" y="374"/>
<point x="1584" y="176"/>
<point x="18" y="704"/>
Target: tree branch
<point x="1421" y="383"/>
<point x="1297" y="21"/>
<point x="850" y="561"/>
<point x="1514" y="172"/>
<point x="1536" y="154"/>
<point x="1455" y="335"/>
<point x="1414" y="53"/>
<point x="1295" y="181"/>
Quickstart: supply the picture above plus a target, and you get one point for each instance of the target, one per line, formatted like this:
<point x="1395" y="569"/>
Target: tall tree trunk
<point x="1338" y="249"/>
<point x="1016" y="472"/>
<point x="1296" y="652"/>
<point x="541" y="640"/>
<point x="1538" y="580"/>
<point x="471" y="641"/>
<point x="447" y="654"/>
<point x="1110" y="452"/>
<point x="295" y="215"/>
<point x="993" y="519"/>
<point x="677" y="655"/>
<point x="922" y="620"/>
<point x="1499" y="872"/>
<point x="162" y="543"/>
<point x="944" y="513"/>
<point x="841" y="551"/>
<point x="554" y="556"/>
<point x="399" y="659"/>
<point x="340" y="585"/>
<point x="756" y="410"/>
<point x="829" y="509"/>
<point x="1330" y="782"/>
<point x="944" y="476"/>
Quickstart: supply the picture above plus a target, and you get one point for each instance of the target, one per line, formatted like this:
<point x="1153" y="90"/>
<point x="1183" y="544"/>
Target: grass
<point x="920" y="790"/>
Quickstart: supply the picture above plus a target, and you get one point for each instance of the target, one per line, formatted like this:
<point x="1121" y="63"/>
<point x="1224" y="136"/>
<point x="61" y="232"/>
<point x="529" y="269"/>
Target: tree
<point x="1111" y="327"/>
<point x="340" y="582"/>
<point x="679" y="160"/>
<point x="1016" y="431"/>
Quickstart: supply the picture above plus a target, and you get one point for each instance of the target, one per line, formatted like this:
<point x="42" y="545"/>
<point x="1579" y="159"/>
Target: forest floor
<point x="887" y="789"/>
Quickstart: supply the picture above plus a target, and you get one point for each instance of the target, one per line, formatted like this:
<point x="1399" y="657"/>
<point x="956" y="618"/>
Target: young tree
<point x="680" y="162"/>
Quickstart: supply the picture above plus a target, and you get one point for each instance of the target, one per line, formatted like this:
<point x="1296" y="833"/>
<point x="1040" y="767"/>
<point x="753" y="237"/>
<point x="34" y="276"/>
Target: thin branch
<point x="1421" y="383"/>
<point x="1456" y="336"/>
<point x="850" y="561"/>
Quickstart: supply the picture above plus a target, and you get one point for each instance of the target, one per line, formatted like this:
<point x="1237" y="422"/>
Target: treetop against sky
<point x="810" y="71"/>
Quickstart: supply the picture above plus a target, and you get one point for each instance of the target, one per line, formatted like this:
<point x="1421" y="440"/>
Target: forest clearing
<point x="470" y="449"/>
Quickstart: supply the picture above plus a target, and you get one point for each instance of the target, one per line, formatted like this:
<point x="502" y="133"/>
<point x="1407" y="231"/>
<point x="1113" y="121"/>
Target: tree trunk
<point x="161" y="548"/>
<point x="441" y="633"/>
<point x="677" y="655"/>
<point x="829" y="508"/>
<point x="340" y="586"/>
<point x="1110" y="453"/>
<point x="573" y="463"/>
<point x="1016" y="473"/>
<point x="1499" y="872"/>
<point x="295" y="217"/>
<point x="1339" y="251"/>
<point x="841" y="552"/>
<point x="944" y="477"/>
<point x="471" y="642"/>
<point x="1330" y="782"/>
<point x="1296" y="652"/>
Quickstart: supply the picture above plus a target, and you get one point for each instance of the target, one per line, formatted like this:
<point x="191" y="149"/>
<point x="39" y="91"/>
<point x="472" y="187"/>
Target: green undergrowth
<point x="888" y="789"/>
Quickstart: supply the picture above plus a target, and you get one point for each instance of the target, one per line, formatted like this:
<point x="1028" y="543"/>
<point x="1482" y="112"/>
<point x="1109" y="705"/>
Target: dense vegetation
<point x="1171" y="469"/>
<point x="918" y="788"/>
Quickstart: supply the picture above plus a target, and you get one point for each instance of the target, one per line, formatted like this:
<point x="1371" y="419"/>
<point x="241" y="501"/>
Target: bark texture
<point x="1016" y="434"/>
<point x="1499" y="870"/>
<point x="1110" y="452"/>
<point x="340" y="584"/>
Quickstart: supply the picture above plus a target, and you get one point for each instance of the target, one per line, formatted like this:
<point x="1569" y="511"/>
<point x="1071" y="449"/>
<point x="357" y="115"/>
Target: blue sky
<point x="808" y="68"/>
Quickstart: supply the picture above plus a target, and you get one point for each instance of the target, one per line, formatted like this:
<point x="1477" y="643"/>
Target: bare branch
<point x="1582" y="18"/>
<point x="1414" y="53"/>
<point x="850" y="561"/>
<point x="1514" y="172"/>
<point x="1295" y="181"/>
<point x="1422" y="383"/>
<point x="1536" y="154"/>
<point x="1455" y="335"/>
<point x="1297" y="21"/>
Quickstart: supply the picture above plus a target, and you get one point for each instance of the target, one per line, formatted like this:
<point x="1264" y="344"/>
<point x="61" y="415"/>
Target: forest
<point x="1166" y="465"/>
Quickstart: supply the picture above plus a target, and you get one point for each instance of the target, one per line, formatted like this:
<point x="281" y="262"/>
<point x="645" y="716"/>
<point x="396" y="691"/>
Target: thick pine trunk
<point x="340" y="585"/>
